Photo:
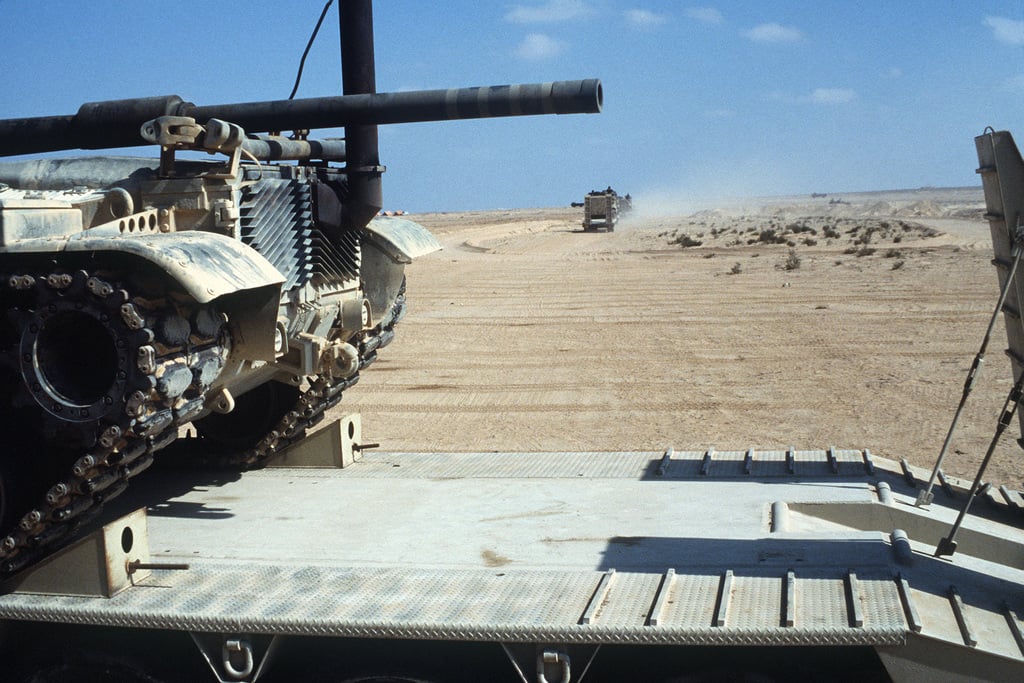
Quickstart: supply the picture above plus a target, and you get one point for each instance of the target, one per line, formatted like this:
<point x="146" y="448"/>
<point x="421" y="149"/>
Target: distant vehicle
<point x="601" y="209"/>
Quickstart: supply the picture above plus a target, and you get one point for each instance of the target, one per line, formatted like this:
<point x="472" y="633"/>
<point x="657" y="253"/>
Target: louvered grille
<point x="276" y="219"/>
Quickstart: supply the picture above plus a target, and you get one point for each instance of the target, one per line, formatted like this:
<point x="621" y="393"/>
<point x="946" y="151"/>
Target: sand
<point x="844" y="320"/>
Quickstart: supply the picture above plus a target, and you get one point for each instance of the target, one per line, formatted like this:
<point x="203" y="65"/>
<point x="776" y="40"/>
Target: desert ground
<point x="847" y="320"/>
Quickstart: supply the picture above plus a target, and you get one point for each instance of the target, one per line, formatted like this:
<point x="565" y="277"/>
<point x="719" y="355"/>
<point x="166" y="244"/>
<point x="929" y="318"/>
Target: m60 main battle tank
<point x="240" y="295"/>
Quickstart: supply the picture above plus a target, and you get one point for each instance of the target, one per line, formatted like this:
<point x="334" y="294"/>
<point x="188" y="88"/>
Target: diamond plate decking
<point x="791" y="547"/>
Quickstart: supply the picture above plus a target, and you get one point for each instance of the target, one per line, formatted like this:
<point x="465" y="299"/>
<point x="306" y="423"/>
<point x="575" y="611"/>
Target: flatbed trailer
<point x="596" y="566"/>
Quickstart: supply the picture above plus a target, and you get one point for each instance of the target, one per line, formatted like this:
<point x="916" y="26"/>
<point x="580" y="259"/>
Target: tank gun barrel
<point x="116" y="123"/>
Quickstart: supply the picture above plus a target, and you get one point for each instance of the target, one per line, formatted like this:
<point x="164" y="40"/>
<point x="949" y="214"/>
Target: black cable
<point x="302" y="62"/>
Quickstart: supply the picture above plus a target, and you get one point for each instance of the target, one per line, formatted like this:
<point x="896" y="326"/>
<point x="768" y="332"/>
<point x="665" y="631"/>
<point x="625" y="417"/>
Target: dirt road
<point x="848" y="322"/>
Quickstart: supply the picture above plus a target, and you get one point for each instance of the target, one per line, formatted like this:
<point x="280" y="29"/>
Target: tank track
<point x="164" y="374"/>
<point x="323" y="394"/>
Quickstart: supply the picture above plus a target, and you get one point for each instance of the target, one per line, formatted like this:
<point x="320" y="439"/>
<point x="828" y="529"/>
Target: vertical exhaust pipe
<point x="358" y="75"/>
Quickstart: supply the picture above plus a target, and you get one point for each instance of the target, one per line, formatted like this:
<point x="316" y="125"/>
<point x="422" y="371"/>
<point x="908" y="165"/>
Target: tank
<point x="240" y="295"/>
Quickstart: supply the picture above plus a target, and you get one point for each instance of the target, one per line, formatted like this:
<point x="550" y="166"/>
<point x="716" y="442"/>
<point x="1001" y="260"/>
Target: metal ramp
<point x="1002" y="178"/>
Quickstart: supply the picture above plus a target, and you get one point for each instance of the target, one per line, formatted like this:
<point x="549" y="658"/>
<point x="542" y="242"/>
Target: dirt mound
<point x="853" y="235"/>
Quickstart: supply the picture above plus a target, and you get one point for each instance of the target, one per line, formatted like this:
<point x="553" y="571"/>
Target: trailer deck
<point x="739" y="548"/>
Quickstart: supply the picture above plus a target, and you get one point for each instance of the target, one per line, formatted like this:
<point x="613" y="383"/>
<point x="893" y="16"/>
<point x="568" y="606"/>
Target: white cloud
<point x="549" y="12"/>
<point x="705" y="15"/>
<point x="1006" y="30"/>
<point x="538" y="46"/>
<point x="774" y="33"/>
<point x="831" y="96"/>
<point x="642" y="18"/>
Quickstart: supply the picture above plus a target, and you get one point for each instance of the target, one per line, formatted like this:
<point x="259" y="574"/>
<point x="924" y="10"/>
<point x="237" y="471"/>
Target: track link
<point x="322" y="394"/>
<point x="103" y="377"/>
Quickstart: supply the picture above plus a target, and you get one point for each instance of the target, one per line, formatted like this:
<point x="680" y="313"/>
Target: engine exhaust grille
<point x="276" y="219"/>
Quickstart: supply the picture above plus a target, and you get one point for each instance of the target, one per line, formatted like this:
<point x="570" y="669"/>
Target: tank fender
<point x="207" y="266"/>
<point x="401" y="239"/>
<point x="388" y="244"/>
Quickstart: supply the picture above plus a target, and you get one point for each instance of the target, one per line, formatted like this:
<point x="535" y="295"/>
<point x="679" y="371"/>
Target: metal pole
<point x="926" y="496"/>
<point x="358" y="73"/>
<point x="947" y="546"/>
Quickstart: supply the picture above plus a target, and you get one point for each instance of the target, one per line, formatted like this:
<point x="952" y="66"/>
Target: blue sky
<point x="701" y="100"/>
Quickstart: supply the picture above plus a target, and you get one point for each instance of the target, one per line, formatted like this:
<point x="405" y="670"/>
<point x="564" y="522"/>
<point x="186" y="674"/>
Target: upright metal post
<point x="358" y="74"/>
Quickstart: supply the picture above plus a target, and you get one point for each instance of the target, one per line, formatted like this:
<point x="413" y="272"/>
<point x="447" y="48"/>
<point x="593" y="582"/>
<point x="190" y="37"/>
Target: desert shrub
<point x="685" y="240"/>
<point x="736" y="269"/>
<point x="801" y="227"/>
<point x="769" y="236"/>
<point x="792" y="260"/>
<point x="897" y="265"/>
